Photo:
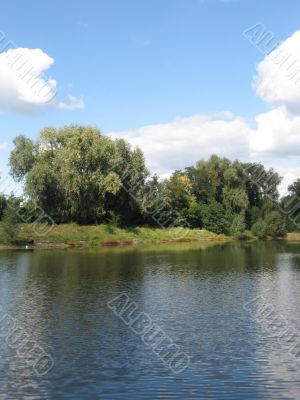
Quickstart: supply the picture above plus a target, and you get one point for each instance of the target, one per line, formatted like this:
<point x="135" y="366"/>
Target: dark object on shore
<point x="21" y="243"/>
<point x="29" y="244"/>
<point x="30" y="241"/>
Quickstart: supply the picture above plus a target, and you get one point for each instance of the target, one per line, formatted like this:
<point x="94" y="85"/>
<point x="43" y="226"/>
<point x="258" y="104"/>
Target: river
<point x="229" y="312"/>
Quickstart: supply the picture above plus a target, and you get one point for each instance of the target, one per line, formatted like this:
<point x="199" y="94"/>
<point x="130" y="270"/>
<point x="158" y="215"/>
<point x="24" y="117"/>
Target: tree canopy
<point x="76" y="174"/>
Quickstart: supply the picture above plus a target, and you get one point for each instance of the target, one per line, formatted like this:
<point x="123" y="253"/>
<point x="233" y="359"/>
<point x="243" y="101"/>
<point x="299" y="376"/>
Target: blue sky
<point x="137" y="64"/>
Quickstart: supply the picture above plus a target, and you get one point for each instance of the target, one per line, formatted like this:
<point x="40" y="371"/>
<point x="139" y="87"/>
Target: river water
<point x="231" y="311"/>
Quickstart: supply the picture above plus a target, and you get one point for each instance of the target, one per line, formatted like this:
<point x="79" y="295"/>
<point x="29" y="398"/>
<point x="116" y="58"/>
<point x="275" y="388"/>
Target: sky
<point x="181" y="79"/>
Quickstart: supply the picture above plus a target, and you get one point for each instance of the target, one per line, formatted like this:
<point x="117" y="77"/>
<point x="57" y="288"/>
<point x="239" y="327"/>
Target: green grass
<point x="92" y="236"/>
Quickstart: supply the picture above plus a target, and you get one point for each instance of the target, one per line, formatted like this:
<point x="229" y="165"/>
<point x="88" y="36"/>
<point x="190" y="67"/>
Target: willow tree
<point x="72" y="172"/>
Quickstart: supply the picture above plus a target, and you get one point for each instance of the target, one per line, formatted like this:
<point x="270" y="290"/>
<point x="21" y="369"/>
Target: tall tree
<point x="71" y="172"/>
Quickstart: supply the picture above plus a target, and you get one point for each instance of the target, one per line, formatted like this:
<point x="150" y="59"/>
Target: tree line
<point x="76" y="174"/>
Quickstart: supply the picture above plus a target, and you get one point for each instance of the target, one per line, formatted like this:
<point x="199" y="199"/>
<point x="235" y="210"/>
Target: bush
<point x="259" y="229"/>
<point x="275" y="224"/>
<point x="193" y="215"/>
<point x="9" y="225"/>
<point x="254" y="214"/>
<point x="215" y="218"/>
<point x="238" y="226"/>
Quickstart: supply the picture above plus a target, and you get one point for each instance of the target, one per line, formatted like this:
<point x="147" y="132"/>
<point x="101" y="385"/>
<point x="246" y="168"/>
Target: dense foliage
<point x="9" y="225"/>
<point x="75" y="174"/>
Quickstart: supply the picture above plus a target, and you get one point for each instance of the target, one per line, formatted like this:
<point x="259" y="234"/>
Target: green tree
<point x="76" y="174"/>
<point x="193" y="215"/>
<point x="290" y="205"/>
<point x="129" y="166"/>
<point x="207" y="178"/>
<point x="275" y="224"/>
<point x="3" y="205"/>
<point x="22" y="157"/>
<point x="261" y="183"/>
<point x="235" y="199"/>
<point x="168" y="207"/>
<point x="152" y="200"/>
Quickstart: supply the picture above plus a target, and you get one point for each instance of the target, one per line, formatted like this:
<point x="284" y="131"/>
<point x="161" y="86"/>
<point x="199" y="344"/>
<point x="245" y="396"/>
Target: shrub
<point x="9" y="225"/>
<point x="215" y="218"/>
<point x="193" y="215"/>
<point x="238" y="226"/>
<point x="113" y="219"/>
<point x="254" y="215"/>
<point x="275" y="224"/>
<point x="259" y="229"/>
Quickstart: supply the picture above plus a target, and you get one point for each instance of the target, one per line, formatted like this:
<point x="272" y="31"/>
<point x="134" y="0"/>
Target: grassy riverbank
<point x="101" y="235"/>
<point x="293" y="236"/>
<point x="70" y="235"/>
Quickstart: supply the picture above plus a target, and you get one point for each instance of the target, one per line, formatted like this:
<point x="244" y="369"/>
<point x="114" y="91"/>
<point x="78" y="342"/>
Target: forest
<point x="76" y="174"/>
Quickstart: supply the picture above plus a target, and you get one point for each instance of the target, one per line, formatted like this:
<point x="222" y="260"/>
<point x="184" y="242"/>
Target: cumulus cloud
<point x="278" y="75"/>
<point x="278" y="83"/>
<point x="183" y="141"/>
<point x="24" y="88"/>
<point x="277" y="134"/>
<point x="2" y="146"/>
<point x="290" y="174"/>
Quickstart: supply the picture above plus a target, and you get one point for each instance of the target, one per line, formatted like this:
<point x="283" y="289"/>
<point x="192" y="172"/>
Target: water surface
<point x="195" y="293"/>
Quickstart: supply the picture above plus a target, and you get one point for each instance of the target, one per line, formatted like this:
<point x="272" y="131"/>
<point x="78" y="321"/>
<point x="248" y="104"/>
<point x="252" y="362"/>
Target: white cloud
<point x="277" y="134"/>
<point x="278" y="75"/>
<point x="290" y="174"/>
<point x="73" y="103"/>
<point x="23" y="85"/>
<point x="185" y="140"/>
<point x="2" y="146"/>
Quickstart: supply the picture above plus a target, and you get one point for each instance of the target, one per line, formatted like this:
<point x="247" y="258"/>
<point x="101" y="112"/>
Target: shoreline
<point x="35" y="236"/>
<point x="111" y="243"/>
<point x="105" y="236"/>
<point x="131" y="243"/>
